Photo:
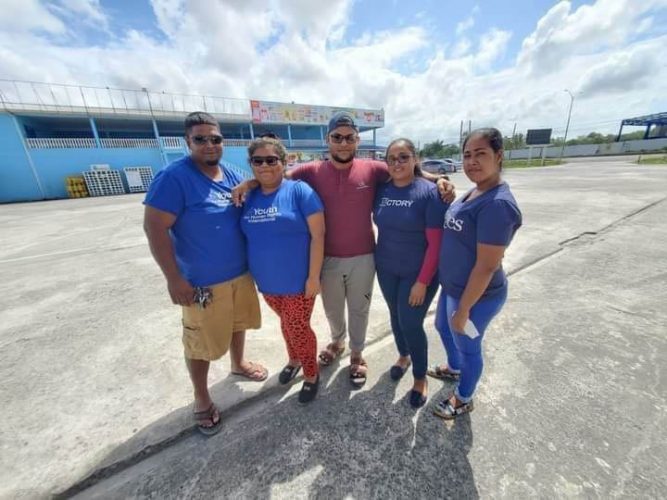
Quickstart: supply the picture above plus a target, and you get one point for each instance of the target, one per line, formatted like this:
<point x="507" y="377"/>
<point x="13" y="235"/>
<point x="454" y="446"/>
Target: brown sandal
<point x="205" y="416"/>
<point x="358" y="371"/>
<point x="330" y="353"/>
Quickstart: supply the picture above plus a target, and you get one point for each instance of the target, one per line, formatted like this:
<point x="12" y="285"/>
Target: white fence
<point x="61" y="143"/>
<point x="129" y="143"/>
<point x="614" y="148"/>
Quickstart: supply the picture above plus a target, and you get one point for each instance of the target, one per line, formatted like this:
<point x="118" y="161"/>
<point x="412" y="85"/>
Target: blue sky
<point x="429" y="65"/>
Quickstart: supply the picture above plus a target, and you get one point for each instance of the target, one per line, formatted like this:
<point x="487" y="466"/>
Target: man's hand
<point x="417" y="294"/>
<point x="446" y="190"/>
<point x="312" y="287"/>
<point x="181" y="292"/>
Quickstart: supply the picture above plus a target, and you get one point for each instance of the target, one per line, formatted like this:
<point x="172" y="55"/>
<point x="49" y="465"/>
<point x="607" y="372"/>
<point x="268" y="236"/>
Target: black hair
<point x="492" y="136"/>
<point x="199" y="118"/>
<point x="261" y="142"/>
<point x="411" y="146"/>
<point x="269" y="135"/>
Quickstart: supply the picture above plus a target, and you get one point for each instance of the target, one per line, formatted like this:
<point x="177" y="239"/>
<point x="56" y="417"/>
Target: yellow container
<point x="76" y="187"/>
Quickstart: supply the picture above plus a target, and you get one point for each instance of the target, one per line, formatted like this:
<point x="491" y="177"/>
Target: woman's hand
<point x="417" y="294"/>
<point x="312" y="287"/>
<point x="446" y="190"/>
<point x="459" y="320"/>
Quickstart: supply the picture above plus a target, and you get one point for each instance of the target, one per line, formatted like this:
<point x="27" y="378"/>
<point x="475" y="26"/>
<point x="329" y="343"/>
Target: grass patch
<point x="535" y="162"/>
<point x="654" y="160"/>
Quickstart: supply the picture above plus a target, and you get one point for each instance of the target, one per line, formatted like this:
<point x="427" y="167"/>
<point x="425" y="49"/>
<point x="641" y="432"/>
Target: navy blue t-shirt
<point x="492" y="218"/>
<point x="278" y="237"/>
<point x="207" y="238"/>
<point x="402" y="215"/>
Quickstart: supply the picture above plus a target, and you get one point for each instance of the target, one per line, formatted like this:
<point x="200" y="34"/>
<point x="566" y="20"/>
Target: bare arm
<point x="316" y="228"/>
<point x="488" y="260"/>
<point x="156" y="226"/>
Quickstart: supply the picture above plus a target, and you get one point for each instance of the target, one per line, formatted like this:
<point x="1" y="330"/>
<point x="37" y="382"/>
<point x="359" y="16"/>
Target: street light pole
<point x="567" y="126"/>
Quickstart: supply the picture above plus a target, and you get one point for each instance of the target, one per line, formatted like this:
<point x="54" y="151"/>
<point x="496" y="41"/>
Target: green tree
<point x="438" y="149"/>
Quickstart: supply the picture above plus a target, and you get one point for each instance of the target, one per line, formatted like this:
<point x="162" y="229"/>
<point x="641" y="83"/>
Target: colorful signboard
<point x="278" y="112"/>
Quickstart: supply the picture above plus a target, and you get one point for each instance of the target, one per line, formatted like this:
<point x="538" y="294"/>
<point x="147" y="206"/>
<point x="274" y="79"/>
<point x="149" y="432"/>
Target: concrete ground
<point x="95" y="399"/>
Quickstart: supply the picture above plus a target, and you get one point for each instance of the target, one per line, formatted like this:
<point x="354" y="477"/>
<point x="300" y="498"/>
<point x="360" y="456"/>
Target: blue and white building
<point x="49" y="131"/>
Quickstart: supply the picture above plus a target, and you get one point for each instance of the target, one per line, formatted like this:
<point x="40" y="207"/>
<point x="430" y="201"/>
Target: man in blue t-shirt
<point x="194" y="235"/>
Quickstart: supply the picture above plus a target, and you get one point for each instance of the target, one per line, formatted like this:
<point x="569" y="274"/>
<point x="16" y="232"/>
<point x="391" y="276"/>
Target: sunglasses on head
<point x="338" y="138"/>
<point x="402" y="158"/>
<point x="258" y="161"/>
<point x="200" y="140"/>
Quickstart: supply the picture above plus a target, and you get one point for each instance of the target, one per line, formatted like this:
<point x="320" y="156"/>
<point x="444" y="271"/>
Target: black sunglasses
<point x="200" y="140"/>
<point x="338" y="138"/>
<point x="258" y="161"/>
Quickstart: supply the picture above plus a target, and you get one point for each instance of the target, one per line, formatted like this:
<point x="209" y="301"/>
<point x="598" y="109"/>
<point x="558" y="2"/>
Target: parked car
<point x="445" y="166"/>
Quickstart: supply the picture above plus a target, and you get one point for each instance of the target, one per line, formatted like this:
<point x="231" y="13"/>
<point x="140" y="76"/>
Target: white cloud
<point x="563" y="33"/>
<point x="297" y="50"/>
<point x="28" y="15"/>
<point x="468" y="22"/>
<point x="89" y="9"/>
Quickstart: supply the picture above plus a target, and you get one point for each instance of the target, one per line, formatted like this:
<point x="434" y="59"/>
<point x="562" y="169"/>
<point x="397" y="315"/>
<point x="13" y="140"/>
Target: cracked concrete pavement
<point x="572" y="402"/>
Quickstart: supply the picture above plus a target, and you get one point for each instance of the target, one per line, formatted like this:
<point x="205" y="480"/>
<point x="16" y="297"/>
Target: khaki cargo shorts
<point x="207" y="333"/>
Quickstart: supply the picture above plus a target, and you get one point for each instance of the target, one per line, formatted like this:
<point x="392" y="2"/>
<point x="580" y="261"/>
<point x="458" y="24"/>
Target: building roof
<point x="647" y="120"/>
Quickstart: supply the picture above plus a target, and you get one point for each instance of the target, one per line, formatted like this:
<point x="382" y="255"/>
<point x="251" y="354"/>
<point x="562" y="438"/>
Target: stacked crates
<point x="76" y="187"/>
<point x="138" y="178"/>
<point x="104" y="182"/>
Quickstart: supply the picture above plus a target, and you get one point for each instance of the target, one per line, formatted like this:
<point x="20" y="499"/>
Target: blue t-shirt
<point x="402" y="215"/>
<point x="492" y="218"/>
<point x="278" y="237"/>
<point x="208" y="242"/>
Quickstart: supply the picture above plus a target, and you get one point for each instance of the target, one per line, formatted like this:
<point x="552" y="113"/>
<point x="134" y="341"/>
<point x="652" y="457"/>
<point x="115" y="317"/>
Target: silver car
<point x="445" y="166"/>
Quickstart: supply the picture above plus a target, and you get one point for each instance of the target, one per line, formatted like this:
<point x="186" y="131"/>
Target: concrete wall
<point x="614" y="148"/>
<point x="17" y="182"/>
<point x="53" y="165"/>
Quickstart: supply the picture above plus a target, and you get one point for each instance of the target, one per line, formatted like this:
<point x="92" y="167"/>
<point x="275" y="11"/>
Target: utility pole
<point x="567" y="126"/>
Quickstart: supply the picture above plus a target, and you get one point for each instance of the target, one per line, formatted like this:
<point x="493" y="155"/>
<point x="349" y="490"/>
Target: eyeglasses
<point x="258" y="161"/>
<point x="200" y="140"/>
<point x="338" y="138"/>
<point x="402" y="158"/>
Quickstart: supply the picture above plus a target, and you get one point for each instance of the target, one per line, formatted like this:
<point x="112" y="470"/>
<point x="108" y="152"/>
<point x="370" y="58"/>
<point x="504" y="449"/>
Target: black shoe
<point x="396" y="372"/>
<point x="288" y="374"/>
<point x="417" y="399"/>
<point x="309" y="391"/>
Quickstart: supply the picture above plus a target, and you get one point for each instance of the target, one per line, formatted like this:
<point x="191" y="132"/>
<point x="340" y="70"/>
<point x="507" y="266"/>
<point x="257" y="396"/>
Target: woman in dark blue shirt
<point x="477" y="229"/>
<point x="408" y="214"/>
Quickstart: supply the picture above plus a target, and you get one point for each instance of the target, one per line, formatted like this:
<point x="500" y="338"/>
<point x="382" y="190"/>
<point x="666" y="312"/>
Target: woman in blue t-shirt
<point x="478" y="228"/>
<point x="283" y="222"/>
<point x="408" y="214"/>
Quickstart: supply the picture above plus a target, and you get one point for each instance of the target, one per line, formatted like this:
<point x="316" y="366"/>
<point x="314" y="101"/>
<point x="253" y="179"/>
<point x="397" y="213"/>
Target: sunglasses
<point x="200" y="140"/>
<point x="402" y="158"/>
<point x="338" y="138"/>
<point x="258" y="161"/>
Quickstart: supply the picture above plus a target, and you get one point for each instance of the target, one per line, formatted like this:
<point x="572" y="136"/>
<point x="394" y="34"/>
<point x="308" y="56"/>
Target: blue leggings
<point x="464" y="354"/>
<point x="407" y="322"/>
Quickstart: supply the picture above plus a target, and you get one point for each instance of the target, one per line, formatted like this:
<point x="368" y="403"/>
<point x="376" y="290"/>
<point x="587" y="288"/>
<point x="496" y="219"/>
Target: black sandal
<point x="445" y="409"/>
<point x="288" y="373"/>
<point x="443" y="374"/>
<point x="309" y="391"/>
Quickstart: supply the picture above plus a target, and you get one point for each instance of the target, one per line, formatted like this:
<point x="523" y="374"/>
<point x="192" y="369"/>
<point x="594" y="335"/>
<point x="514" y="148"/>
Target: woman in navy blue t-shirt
<point x="477" y="229"/>
<point x="408" y="214"/>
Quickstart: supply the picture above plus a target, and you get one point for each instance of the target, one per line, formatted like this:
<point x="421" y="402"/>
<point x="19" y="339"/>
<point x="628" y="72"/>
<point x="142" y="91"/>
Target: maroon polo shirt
<point x="348" y="196"/>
